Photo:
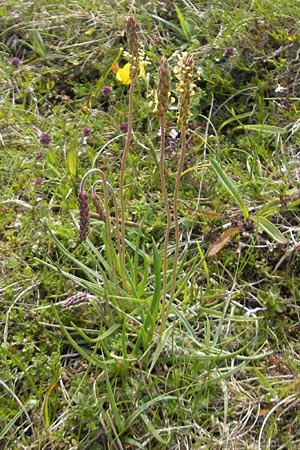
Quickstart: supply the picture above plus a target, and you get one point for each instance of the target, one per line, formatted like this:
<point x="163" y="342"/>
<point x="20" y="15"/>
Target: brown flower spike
<point x="99" y="208"/>
<point x="75" y="300"/>
<point x="133" y="47"/>
<point x="84" y="218"/>
<point x="163" y="87"/>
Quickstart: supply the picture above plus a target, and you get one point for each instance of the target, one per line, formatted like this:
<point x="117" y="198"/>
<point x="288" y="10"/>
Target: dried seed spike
<point x="84" y="219"/>
<point x="99" y="208"/>
<point x="163" y="87"/>
<point x="133" y="47"/>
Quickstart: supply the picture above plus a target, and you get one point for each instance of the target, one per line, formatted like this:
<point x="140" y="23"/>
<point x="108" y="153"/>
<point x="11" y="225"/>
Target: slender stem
<point x="108" y="229"/>
<point x="168" y="225"/>
<point x="105" y="186"/>
<point x="127" y="222"/>
<point x="121" y="184"/>
<point x="116" y="218"/>
<point x="176" y="221"/>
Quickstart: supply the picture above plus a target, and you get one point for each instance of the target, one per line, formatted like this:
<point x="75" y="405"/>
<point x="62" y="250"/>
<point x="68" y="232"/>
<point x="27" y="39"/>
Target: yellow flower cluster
<point x="185" y="86"/>
<point x="123" y="74"/>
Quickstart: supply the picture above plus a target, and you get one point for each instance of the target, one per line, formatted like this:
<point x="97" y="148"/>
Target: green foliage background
<point x="225" y="372"/>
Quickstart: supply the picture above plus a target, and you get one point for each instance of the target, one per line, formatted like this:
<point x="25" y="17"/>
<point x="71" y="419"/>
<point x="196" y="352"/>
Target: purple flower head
<point x="75" y="300"/>
<point x="123" y="127"/>
<point x="84" y="219"/>
<point x="229" y="51"/>
<point x="38" y="181"/>
<point x="39" y="155"/>
<point x="15" y="61"/>
<point x="106" y="90"/>
<point x="281" y="245"/>
<point x="86" y="131"/>
<point x="45" y="138"/>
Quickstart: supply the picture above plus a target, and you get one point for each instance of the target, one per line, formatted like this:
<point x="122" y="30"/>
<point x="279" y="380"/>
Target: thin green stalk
<point x="176" y="221"/>
<point x="185" y="89"/>
<point x="121" y="184"/>
<point x="168" y="225"/>
<point x="116" y="218"/>
<point x="105" y="186"/>
<point x="23" y="368"/>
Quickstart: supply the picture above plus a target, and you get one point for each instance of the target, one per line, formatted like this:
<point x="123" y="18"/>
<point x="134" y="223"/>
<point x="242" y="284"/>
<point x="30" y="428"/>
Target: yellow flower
<point x="123" y="74"/>
<point x="142" y="72"/>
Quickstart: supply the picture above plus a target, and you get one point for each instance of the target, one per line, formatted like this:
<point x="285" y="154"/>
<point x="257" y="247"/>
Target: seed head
<point x="133" y="47"/>
<point x="163" y="87"/>
<point x="185" y="88"/>
<point x="99" y="208"/>
<point x="74" y="300"/>
<point x="84" y="218"/>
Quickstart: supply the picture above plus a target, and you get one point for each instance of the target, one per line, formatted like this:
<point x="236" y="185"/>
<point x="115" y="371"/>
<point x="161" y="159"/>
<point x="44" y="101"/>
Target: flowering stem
<point x="176" y="222"/>
<point x="168" y="225"/>
<point x="121" y="184"/>
<point x="108" y="218"/>
<point x="128" y="223"/>
<point x="116" y="218"/>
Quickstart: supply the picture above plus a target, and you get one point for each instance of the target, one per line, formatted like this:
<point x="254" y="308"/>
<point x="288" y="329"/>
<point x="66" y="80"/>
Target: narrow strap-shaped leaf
<point x="262" y="128"/>
<point x="230" y="186"/>
<point x="269" y="228"/>
<point x="153" y="431"/>
<point x="161" y="344"/>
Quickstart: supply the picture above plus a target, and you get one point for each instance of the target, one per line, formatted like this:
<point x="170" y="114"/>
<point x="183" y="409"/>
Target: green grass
<point x="185" y="340"/>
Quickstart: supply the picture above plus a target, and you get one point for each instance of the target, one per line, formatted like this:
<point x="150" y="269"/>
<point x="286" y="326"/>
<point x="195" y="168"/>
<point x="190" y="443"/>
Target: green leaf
<point x="160" y="346"/>
<point x="146" y="332"/>
<point x="17" y="361"/>
<point x="262" y="128"/>
<point x="230" y="186"/>
<point x="235" y="118"/>
<point x="11" y="423"/>
<point x="263" y="380"/>
<point x="99" y="338"/>
<point x="183" y="23"/>
<point x="167" y="23"/>
<point x="90" y="31"/>
<point x="143" y="407"/>
<point x="72" y="163"/>
<point x="118" y="419"/>
<point x="269" y="228"/>
<point x="91" y="358"/>
<point x="51" y="158"/>
<point x="153" y="431"/>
